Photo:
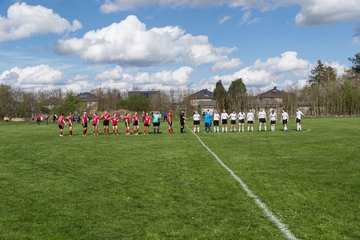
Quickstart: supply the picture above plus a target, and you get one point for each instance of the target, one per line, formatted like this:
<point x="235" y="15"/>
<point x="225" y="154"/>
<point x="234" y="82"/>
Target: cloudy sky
<point x="172" y="44"/>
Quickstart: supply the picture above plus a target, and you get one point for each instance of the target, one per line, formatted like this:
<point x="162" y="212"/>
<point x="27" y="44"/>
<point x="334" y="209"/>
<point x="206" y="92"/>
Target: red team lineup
<point x="92" y="125"/>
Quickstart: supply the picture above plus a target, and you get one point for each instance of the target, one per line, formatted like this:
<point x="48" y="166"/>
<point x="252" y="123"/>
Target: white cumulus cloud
<point x="129" y="42"/>
<point x="25" y="20"/>
<point x="165" y="80"/>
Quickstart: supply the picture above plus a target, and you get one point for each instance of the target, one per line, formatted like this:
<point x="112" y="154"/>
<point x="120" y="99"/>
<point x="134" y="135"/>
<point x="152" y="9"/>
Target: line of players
<point x="216" y="117"/>
<point x="114" y="119"/>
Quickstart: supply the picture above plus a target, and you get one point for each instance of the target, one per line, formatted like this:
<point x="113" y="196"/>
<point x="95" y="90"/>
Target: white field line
<point x="271" y="216"/>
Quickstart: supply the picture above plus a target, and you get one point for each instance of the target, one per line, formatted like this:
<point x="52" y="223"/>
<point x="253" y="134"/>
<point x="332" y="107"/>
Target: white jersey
<point x="262" y="114"/>
<point x="273" y="116"/>
<point x="224" y="116"/>
<point x="250" y="116"/>
<point x="299" y="114"/>
<point x="216" y="117"/>
<point x="196" y="117"/>
<point x="233" y="116"/>
<point x="284" y="116"/>
<point x="241" y="115"/>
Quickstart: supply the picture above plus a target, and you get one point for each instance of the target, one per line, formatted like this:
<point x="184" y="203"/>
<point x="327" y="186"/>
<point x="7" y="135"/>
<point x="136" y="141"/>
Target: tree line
<point x="325" y="94"/>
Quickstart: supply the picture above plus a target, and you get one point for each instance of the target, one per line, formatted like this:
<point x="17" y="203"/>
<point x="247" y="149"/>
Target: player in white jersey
<point x="284" y="117"/>
<point x="241" y="117"/>
<point x="262" y="119"/>
<point x="233" y="117"/>
<point x="224" y="119"/>
<point x="299" y="113"/>
<point x="250" y="120"/>
<point x="216" y="121"/>
<point x="273" y="117"/>
<point x="196" y="118"/>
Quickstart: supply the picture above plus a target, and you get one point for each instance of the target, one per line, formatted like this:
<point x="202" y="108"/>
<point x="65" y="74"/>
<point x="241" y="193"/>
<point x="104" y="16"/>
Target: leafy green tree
<point x="135" y="102"/>
<point x="7" y="101"/>
<point x="356" y="63"/>
<point x="70" y="103"/>
<point x="220" y="95"/>
<point x="318" y="74"/>
<point x="237" y="95"/>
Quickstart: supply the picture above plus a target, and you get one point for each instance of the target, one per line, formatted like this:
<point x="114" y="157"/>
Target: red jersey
<point x="127" y="120"/>
<point x="70" y="120"/>
<point x="105" y="117"/>
<point x="84" y="119"/>
<point x="147" y="119"/>
<point x="114" y="120"/>
<point x="135" y="118"/>
<point x="169" y="117"/>
<point x="95" y="120"/>
<point x="61" y="120"/>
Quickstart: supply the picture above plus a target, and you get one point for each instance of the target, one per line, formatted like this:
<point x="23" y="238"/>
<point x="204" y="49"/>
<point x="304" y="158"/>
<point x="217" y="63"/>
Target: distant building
<point x="147" y="94"/>
<point x="89" y="99"/>
<point x="271" y="99"/>
<point x="202" y="100"/>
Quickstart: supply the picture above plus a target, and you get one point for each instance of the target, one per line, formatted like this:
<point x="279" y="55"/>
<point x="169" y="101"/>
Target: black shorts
<point x="182" y="123"/>
<point x="61" y="126"/>
<point x="250" y="122"/>
<point x="136" y="123"/>
<point x="94" y="124"/>
<point x="233" y="122"/>
<point x="106" y="122"/>
<point x="170" y="123"/>
<point x="126" y="124"/>
<point x="196" y="122"/>
<point x="298" y="120"/>
<point x="272" y="122"/>
<point x="242" y="121"/>
<point x="224" y="121"/>
<point x="285" y="121"/>
<point x="85" y="125"/>
<point x="262" y="120"/>
<point x="146" y="125"/>
<point x="114" y="125"/>
<point x="216" y="123"/>
<point x="156" y="124"/>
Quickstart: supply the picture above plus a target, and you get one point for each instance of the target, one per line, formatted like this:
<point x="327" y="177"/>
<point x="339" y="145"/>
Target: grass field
<point x="170" y="187"/>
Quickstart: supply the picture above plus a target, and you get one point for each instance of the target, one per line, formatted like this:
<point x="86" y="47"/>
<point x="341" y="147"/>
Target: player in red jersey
<point x="95" y="124"/>
<point x="143" y="116"/>
<point x="106" y="118"/>
<point x="127" y="123"/>
<point x="84" y="122"/>
<point x="169" y="120"/>
<point x="147" y="121"/>
<point x="61" y="123"/>
<point x="70" y="120"/>
<point x="115" y="121"/>
<point x="135" y="120"/>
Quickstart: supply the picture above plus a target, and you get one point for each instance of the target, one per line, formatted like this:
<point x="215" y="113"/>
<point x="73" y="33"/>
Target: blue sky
<point x="166" y="44"/>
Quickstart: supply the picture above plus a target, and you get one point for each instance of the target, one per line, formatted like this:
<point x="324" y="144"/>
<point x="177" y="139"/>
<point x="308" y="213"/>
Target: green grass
<point x="169" y="186"/>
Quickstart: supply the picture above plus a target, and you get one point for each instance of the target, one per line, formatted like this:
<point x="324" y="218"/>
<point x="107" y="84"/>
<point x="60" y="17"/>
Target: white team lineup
<point x="240" y="122"/>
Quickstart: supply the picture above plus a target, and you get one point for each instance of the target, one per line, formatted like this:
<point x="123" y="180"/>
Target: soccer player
<point x="170" y="122"/>
<point x="127" y="123"/>
<point x="182" y="121"/>
<point x="224" y="119"/>
<point x="135" y="120"/>
<point x="61" y="123"/>
<point x="241" y="117"/>
<point x="156" y="122"/>
<point x="115" y="122"/>
<point x="70" y="120"/>
<point x="299" y="113"/>
<point x="233" y="117"/>
<point x="273" y="117"/>
<point x="95" y="124"/>
<point x="250" y="121"/>
<point x="106" y="118"/>
<point x="216" y="121"/>
<point x="196" y="118"/>
<point x="84" y="122"/>
<point x="147" y="120"/>
<point x="285" y="117"/>
<point x="207" y="121"/>
<point x="262" y="119"/>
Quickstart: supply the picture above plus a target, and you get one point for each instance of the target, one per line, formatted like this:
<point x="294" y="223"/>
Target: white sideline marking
<point x="272" y="217"/>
